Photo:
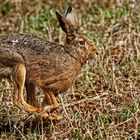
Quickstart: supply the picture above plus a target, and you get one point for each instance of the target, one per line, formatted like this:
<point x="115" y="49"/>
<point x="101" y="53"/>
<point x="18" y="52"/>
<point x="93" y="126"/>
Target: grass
<point x="105" y="100"/>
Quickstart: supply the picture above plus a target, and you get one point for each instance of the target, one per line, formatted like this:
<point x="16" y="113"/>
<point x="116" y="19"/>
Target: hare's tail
<point x="5" y="72"/>
<point x="9" y="56"/>
<point x="8" y="59"/>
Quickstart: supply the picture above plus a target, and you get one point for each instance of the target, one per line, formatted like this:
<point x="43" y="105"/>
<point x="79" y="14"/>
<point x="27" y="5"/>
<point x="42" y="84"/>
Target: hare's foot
<point x="55" y="117"/>
<point x="31" y="109"/>
<point x="36" y="111"/>
<point x="50" y="103"/>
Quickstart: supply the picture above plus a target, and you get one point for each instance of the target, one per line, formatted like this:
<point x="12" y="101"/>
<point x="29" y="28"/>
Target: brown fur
<point x="33" y="61"/>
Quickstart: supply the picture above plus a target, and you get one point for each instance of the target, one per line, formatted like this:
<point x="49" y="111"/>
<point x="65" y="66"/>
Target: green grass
<point x="40" y="20"/>
<point x="5" y="8"/>
<point x="103" y="13"/>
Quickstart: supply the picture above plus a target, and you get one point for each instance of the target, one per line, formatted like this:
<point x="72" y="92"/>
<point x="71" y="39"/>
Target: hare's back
<point x="31" y="45"/>
<point x="25" y="41"/>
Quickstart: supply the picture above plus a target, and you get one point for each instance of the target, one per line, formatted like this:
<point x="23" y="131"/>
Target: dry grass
<point x="104" y="102"/>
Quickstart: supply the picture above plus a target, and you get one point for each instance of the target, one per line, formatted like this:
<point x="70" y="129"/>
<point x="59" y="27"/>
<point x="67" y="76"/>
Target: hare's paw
<point x="54" y="117"/>
<point x="31" y="109"/>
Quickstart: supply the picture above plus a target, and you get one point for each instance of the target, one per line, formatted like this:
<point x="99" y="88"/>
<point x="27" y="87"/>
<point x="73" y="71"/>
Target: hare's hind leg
<point x="18" y="75"/>
<point x="50" y="103"/>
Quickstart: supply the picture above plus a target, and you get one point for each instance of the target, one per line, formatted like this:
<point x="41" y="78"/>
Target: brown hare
<point x="32" y="61"/>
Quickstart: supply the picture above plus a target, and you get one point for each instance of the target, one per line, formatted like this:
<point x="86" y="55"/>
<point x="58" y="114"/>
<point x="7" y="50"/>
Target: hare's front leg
<point x="50" y="103"/>
<point x="18" y="77"/>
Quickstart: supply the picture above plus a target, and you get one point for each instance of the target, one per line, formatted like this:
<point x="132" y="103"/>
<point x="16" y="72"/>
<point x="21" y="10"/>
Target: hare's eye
<point x="82" y="42"/>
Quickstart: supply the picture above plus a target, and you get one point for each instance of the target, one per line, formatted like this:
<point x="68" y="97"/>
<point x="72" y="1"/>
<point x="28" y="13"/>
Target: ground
<point x="104" y="101"/>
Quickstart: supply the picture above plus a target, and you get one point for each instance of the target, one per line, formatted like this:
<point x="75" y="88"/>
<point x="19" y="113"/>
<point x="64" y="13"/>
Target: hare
<point x="32" y="61"/>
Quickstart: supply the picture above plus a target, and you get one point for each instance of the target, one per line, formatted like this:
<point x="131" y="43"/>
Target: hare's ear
<point x="63" y="22"/>
<point x="71" y="16"/>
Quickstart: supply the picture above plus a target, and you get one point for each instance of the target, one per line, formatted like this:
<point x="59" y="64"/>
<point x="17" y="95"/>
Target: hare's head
<point x="75" y="39"/>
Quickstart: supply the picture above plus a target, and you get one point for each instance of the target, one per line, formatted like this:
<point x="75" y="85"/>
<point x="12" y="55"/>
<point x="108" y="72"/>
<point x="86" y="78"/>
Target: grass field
<point x="104" y="102"/>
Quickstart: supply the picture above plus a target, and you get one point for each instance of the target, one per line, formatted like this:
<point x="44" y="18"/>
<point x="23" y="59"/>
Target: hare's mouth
<point x="91" y="59"/>
<point x="91" y="55"/>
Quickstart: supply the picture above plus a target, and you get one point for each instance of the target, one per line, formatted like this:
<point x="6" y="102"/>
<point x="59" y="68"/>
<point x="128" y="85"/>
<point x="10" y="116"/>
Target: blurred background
<point x="104" y="101"/>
